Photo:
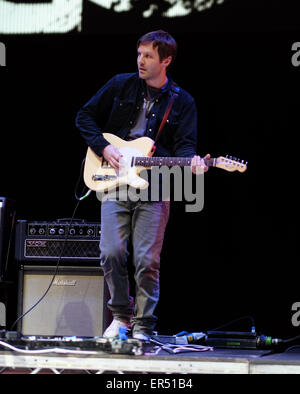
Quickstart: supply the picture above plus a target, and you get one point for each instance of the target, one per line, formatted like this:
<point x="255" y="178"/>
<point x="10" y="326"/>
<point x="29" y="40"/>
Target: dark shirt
<point x="140" y="127"/>
<point x="115" y="109"/>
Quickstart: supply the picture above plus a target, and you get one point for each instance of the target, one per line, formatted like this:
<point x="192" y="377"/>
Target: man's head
<point x="163" y="41"/>
<point x="156" y="51"/>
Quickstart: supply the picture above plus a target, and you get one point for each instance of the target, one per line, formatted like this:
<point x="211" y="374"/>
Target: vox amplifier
<point x="75" y="242"/>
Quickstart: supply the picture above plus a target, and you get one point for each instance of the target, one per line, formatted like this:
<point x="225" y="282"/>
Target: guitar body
<point x="101" y="177"/>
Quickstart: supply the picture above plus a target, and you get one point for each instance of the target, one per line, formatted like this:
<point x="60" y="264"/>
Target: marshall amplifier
<point x="46" y="242"/>
<point x="75" y="304"/>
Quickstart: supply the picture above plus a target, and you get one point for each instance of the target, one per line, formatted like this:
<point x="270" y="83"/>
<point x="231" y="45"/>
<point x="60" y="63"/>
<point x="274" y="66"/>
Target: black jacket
<point x="115" y="108"/>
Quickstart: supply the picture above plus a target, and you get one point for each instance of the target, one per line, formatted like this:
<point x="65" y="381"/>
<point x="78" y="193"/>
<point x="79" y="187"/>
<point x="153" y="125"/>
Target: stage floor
<point x="217" y="361"/>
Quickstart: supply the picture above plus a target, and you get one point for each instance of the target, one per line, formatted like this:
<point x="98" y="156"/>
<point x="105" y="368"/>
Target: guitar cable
<point x="77" y="184"/>
<point x="79" y="199"/>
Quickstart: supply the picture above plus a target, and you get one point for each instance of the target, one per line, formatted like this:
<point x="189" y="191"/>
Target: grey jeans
<point x="145" y="222"/>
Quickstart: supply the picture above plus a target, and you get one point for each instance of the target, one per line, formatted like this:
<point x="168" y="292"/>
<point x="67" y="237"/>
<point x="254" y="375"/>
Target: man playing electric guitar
<point x="132" y="106"/>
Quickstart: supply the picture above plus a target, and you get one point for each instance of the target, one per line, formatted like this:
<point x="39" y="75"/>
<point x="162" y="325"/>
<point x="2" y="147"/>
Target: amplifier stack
<point x="76" y="301"/>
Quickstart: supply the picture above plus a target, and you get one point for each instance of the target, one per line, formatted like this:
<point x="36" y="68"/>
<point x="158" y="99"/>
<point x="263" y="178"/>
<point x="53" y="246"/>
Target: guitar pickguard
<point x="127" y="171"/>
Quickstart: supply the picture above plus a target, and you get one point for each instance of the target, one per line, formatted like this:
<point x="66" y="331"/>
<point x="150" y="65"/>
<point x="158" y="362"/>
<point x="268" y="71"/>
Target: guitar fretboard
<point x="168" y="161"/>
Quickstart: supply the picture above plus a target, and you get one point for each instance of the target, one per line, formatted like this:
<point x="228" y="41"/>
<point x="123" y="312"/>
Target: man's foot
<point x="112" y="330"/>
<point x="141" y="336"/>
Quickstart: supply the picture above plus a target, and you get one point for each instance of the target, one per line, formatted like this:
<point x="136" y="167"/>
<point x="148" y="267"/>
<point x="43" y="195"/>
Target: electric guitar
<point x="100" y="176"/>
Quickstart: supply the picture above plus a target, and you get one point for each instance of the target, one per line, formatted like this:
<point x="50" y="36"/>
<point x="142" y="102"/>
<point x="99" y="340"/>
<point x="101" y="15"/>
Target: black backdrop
<point x="237" y="256"/>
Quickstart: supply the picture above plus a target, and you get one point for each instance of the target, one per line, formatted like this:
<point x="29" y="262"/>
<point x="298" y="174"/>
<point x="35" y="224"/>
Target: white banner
<point x="176" y="7"/>
<point x="61" y="16"/>
<point x="58" y="16"/>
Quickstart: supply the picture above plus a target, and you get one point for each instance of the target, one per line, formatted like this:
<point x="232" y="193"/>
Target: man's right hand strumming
<point x="112" y="155"/>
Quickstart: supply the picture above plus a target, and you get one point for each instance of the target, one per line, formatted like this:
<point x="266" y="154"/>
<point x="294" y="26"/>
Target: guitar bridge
<point x="96" y="177"/>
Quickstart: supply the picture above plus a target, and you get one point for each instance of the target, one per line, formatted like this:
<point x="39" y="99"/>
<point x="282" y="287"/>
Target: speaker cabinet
<point x="7" y="216"/>
<point x="75" y="305"/>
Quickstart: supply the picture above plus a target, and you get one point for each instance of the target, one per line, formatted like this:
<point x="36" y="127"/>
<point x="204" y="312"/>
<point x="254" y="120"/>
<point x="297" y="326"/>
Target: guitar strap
<point x="174" y="93"/>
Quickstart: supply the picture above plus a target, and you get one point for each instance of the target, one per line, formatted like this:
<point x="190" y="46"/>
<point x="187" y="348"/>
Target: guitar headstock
<point x="231" y="164"/>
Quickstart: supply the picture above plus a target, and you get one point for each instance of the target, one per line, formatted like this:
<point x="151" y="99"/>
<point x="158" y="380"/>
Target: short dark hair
<point x="165" y="43"/>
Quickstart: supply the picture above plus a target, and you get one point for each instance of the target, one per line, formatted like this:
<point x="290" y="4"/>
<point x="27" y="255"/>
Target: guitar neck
<point x="168" y="161"/>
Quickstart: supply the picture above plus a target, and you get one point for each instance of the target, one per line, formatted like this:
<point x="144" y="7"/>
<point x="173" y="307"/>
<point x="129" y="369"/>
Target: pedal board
<point x="107" y="345"/>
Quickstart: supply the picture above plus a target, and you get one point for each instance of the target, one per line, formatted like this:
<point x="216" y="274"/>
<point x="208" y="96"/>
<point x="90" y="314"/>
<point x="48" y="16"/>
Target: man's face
<point x="149" y="64"/>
